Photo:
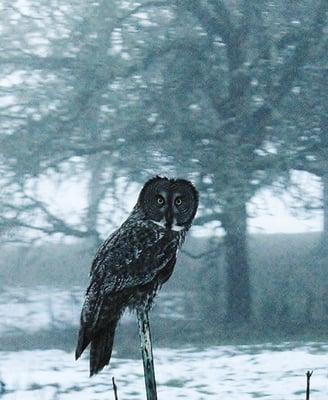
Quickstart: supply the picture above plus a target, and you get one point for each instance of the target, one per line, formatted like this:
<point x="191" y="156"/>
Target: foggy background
<point x="96" y="98"/>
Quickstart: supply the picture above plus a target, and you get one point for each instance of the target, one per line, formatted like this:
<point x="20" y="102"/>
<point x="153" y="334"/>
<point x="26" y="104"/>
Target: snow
<point x="274" y="372"/>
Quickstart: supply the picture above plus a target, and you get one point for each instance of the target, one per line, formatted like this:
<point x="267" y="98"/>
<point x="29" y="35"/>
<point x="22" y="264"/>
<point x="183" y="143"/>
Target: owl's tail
<point x="101" y="347"/>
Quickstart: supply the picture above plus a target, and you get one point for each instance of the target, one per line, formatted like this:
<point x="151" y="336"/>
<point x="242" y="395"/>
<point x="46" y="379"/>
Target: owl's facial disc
<point x="169" y="203"/>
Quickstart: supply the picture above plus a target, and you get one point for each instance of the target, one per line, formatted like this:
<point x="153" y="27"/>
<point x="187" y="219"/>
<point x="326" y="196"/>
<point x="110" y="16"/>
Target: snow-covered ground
<point x="273" y="372"/>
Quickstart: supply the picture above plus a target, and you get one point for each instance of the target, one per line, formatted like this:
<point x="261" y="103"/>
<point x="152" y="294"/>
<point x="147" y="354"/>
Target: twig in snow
<point x="308" y="377"/>
<point x="114" y="388"/>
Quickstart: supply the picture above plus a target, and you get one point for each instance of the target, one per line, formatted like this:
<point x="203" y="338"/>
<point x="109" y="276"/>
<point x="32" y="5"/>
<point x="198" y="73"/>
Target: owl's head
<point x="170" y="203"/>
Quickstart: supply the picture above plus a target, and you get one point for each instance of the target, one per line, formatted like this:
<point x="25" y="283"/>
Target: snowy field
<point x="273" y="372"/>
<point x="223" y="372"/>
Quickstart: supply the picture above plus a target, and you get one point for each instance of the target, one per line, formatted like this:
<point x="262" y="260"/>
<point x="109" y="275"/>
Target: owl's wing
<point x="165" y="273"/>
<point x="123" y="261"/>
<point x="101" y="253"/>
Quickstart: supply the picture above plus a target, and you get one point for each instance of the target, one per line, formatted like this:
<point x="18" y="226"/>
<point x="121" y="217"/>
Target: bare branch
<point x="207" y="218"/>
<point x="290" y="72"/>
<point x="12" y="223"/>
<point x="201" y="255"/>
<point x="218" y="24"/>
<point x="19" y="12"/>
<point x="54" y="223"/>
<point x="140" y="7"/>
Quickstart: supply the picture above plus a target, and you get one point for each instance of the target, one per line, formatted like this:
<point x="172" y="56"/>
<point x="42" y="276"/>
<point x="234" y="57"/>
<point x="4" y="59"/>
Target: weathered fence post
<point x="147" y="355"/>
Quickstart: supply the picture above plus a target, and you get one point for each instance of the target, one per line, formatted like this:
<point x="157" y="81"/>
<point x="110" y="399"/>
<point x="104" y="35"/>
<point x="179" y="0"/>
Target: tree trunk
<point x="238" y="281"/>
<point x="95" y="193"/>
<point x="324" y="240"/>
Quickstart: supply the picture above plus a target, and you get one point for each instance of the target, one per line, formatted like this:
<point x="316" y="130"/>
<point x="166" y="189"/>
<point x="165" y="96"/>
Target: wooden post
<point x="147" y="355"/>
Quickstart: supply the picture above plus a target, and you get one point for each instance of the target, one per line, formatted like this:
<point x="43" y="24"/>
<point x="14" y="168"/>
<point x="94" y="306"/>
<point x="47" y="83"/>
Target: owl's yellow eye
<point x="178" y="201"/>
<point x="160" y="200"/>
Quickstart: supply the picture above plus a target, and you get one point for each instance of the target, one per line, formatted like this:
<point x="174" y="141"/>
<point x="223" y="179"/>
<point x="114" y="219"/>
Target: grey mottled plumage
<point x="134" y="262"/>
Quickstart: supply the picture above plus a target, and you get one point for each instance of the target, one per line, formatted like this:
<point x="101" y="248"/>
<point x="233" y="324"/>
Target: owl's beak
<point x="168" y="218"/>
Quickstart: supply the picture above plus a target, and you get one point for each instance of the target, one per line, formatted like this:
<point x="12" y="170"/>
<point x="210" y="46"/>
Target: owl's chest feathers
<point x="160" y="247"/>
<point x="150" y="265"/>
<point x="148" y="242"/>
<point x="138" y="254"/>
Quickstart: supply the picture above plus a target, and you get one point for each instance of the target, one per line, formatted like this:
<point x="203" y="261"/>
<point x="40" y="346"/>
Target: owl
<point x="134" y="262"/>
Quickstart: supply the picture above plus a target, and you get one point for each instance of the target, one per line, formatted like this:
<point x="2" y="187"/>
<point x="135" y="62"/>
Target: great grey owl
<point x="134" y="262"/>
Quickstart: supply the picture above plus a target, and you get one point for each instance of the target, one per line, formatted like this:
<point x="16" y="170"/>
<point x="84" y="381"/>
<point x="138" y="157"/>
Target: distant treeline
<point x="289" y="283"/>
